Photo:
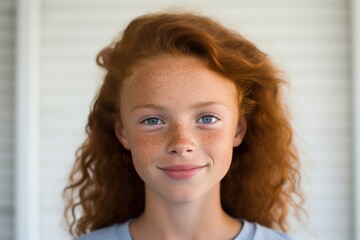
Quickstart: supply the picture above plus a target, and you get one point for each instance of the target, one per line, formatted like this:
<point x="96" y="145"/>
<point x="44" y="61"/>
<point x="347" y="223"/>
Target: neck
<point x="201" y="218"/>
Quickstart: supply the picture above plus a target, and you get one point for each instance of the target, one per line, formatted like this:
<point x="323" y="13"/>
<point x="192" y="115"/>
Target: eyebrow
<point x="148" y="105"/>
<point x="159" y="107"/>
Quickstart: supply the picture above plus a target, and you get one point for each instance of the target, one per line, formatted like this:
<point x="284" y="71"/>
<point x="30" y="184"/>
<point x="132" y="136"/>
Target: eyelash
<point x="214" y="119"/>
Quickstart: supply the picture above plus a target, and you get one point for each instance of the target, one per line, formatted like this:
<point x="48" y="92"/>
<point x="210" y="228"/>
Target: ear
<point x="120" y="133"/>
<point x="240" y="132"/>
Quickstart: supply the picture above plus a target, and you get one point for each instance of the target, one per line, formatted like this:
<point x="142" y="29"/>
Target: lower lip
<point x="182" y="174"/>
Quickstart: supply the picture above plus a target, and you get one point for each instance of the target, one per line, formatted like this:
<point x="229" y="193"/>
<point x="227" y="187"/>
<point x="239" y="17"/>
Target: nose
<point x="181" y="141"/>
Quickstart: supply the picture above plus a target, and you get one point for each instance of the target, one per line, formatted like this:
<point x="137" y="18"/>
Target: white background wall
<point x="7" y="61"/>
<point x="308" y="39"/>
<point x="355" y="39"/>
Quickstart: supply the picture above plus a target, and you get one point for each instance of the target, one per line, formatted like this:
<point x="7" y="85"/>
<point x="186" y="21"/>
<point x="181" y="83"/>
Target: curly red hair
<point x="264" y="177"/>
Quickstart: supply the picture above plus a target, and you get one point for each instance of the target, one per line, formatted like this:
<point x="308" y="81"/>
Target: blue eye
<point x="207" y="119"/>
<point x="152" y="121"/>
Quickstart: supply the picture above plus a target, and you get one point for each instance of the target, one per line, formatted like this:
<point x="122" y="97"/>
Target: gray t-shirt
<point x="250" y="231"/>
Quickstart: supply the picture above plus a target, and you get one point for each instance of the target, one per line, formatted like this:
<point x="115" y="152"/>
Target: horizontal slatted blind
<point x="308" y="39"/>
<point x="7" y="32"/>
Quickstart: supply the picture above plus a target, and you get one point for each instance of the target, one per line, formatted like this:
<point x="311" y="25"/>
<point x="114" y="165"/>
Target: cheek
<point x="140" y="141"/>
<point x="144" y="148"/>
<point x="222" y="137"/>
<point x="219" y="145"/>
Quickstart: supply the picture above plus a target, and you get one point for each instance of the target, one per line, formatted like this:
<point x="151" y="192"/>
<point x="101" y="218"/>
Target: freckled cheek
<point x="218" y="145"/>
<point x="144" y="151"/>
<point x="210" y="140"/>
<point x="146" y="146"/>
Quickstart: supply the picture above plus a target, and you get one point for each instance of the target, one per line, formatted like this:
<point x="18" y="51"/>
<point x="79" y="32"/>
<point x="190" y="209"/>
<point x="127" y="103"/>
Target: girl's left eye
<point x="207" y="119"/>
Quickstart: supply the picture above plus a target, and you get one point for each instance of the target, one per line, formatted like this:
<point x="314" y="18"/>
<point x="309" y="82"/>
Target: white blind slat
<point x="7" y="22"/>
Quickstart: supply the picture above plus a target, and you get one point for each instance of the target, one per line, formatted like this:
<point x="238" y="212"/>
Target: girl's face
<point x="180" y="121"/>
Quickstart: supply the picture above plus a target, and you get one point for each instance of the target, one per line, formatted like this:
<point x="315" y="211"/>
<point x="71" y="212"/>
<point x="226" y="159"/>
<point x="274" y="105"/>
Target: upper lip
<point x="181" y="167"/>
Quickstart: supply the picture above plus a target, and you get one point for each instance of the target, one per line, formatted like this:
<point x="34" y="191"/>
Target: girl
<point x="187" y="139"/>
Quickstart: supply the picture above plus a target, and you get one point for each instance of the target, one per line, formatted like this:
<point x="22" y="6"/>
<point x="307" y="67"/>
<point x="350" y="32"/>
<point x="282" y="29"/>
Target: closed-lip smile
<point x="182" y="171"/>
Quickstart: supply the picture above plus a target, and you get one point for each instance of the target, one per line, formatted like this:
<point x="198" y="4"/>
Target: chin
<point x="188" y="195"/>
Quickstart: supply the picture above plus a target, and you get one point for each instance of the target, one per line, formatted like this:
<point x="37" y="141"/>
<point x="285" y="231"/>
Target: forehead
<point x="176" y="78"/>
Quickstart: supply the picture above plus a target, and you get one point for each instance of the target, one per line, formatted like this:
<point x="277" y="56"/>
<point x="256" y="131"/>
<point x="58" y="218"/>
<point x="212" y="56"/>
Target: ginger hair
<point x="263" y="181"/>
